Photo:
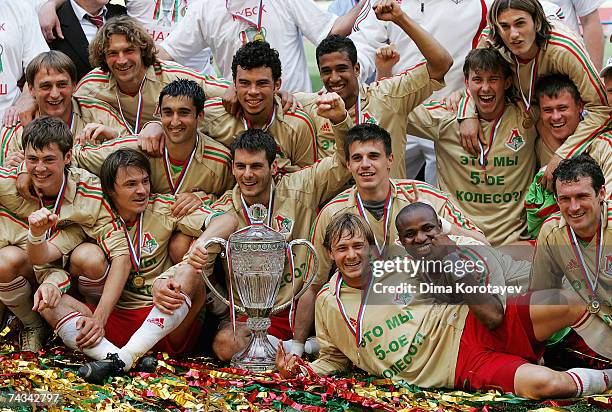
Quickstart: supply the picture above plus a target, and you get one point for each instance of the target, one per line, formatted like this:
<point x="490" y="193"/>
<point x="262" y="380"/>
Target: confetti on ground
<point x="47" y="381"/>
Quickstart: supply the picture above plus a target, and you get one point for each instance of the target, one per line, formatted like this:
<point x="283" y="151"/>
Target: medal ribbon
<point x="386" y="218"/>
<point x="57" y="207"/>
<point x="532" y="80"/>
<point x="136" y="129"/>
<point x="181" y="178"/>
<point x="257" y="24"/>
<point x="245" y="208"/>
<point x="247" y="124"/>
<point x="71" y="125"/>
<point x="358" y="331"/>
<point x="134" y="251"/>
<point x="580" y="257"/>
<point x="484" y="154"/>
<point x="358" y="110"/>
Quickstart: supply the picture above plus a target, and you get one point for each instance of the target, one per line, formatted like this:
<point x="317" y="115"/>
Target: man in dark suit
<point x="80" y="19"/>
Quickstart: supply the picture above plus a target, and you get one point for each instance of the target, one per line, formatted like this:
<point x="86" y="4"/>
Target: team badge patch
<point x="325" y="128"/>
<point x="284" y="225"/>
<point x="402" y="298"/>
<point x="368" y="118"/>
<point x="149" y="244"/>
<point x="515" y="141"/>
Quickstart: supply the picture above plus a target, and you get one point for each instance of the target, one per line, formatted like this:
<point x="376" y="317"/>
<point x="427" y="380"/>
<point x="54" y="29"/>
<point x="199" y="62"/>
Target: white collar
<point x="81" y="12"/>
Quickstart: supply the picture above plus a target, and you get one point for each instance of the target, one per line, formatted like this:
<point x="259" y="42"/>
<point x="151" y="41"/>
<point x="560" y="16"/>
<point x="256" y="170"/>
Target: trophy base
<point x="260" y="354"/>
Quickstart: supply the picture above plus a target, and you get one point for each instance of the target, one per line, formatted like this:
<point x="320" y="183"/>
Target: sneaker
<point x="33" y="339"/>
<point x="98" y="371"/>
<point x="146" y="364"/>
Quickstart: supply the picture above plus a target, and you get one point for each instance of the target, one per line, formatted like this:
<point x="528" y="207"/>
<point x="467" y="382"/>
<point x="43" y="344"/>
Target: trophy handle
<point x="223" y="244"/>
<point x="307" y="283"/>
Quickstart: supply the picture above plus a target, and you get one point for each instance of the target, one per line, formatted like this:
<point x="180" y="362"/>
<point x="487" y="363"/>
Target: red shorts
<point x="122" y="323"/>
<point x="279" y="327"/>
<point x="489" y="359"/>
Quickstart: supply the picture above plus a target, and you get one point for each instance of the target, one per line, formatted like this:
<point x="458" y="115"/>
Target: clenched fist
<point x="387" y="10"/>
<point x="41" y="221"/>
<point x="331" y="106"/>
<point x="386" y="57"/>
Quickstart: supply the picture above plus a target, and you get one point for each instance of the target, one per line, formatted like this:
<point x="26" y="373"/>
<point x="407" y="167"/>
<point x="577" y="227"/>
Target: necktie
<point x="97" y="21"/>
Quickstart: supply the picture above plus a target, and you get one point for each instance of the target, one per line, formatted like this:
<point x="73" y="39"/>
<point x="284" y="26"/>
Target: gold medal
<point x="138" y="281"/>
<point x="527" y="123"/>
<point x="252" y="34"/>
<point x="260" y="36"/>
<point x="594" y="306"/>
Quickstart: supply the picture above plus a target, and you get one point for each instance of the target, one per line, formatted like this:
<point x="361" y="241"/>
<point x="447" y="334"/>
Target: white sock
<point x="17" y="297"/>
<point x="297" y="347"/>
<point x="312" y="346"/>
<point x="595" y="334"/>
<point x="274" y="341"/>
<point x="66" y="329"/>
<point x="590" y="381"/>
<point x="154" y="328"/>
<point x="92" y="289"/>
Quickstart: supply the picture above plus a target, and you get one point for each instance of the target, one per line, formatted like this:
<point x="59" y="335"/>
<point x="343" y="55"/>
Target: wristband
<point x="446" y="226"/>
<point x="36" y="240"/>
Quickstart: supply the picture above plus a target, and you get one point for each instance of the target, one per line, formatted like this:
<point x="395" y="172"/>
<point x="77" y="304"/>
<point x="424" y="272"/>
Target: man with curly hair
<point x="128" y="75"/>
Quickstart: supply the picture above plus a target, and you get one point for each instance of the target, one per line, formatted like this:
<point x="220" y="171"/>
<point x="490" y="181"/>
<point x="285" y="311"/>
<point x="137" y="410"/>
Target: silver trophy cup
<point x="257" y="255"/>
<point x="166" y="8"/>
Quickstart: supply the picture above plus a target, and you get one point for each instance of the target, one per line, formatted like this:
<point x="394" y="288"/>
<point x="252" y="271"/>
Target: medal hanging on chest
<point x="57" y="207"/>
<point x="484" y="154"/>
<point x="527" y="121"/>
<point x="139" y="109"/>
<point x="594" y="304"/>
<point x="255" y="31"/>
<point x="245" y="208"/>
<point x="533" y="75"/>
<point x="357" y="329"/>
<point x="138" y="280"/>
<point x="253" y="34"/>
<point x="387" y="212"/>
<point x="175" y="186"/>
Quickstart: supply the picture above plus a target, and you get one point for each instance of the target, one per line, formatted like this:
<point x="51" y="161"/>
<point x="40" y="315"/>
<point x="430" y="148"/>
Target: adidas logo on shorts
<point x="157" y="321"/>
